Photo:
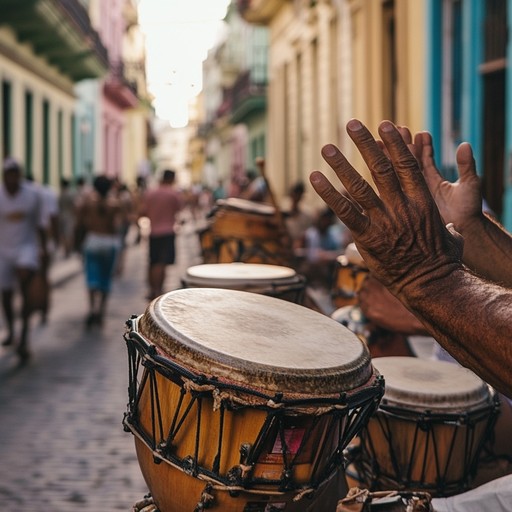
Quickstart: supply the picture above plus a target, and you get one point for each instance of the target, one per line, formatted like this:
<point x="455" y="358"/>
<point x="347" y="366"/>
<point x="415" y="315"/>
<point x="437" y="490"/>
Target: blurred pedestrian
<point x="161" y="205"/>
<point x="40" y="288"/>
<point x="82" y="192"/>
<point x="137" y="195"/>
<point x="254" y="187"/>
<point x="66" y="203"/>
<point x="99" y="215"/>
<point x="324" y="241"/>
<point x="297" y="218"/>
<point x="22" y="248"/>
<point x="121" y="191"/>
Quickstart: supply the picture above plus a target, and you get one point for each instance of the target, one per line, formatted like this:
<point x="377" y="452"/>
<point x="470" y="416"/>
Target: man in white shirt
<point x="22" y="243"/>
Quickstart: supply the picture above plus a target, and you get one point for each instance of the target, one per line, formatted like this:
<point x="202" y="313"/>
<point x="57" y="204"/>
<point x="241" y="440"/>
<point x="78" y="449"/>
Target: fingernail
<point x="354" y="125"/>
<point x="386" y="126"/>
<point x="329" y="150"/>
<point x="314" y="177"/>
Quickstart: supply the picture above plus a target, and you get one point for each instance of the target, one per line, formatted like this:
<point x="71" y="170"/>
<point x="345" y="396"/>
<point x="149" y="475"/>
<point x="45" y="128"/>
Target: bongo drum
<point x="243" y="402"/>
<point x="351" y="270"/>
<point x="247" y="231"/>
<point x="272" y="280"/>
<point x="429" y="429"/>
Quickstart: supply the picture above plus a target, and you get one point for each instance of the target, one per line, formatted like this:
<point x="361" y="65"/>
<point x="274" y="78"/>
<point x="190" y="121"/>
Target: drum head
<point x="237" y="274"/>
<point x="422" y="384"/>
<point x="256" y="340"/>
<point x="247" y="206"/>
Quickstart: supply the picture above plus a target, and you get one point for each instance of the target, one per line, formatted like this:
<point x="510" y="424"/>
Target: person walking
<point x="99" y="216"/>
<point x="22" y="248"/>
<point x="161" y="205"/>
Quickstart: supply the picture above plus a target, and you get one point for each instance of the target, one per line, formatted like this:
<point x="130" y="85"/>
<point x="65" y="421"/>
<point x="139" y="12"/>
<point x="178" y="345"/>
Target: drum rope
<point x="427" y="446"/>
<point x="346" y="409"/>
<point x="197" y="381"/>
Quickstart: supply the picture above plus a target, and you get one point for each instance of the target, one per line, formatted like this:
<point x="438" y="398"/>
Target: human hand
<point x="459" y="203"/>
<point x="399" y="233"/>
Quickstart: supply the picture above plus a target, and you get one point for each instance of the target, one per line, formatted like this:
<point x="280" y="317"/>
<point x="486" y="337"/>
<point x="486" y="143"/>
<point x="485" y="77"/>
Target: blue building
<point x="469" y="94"/>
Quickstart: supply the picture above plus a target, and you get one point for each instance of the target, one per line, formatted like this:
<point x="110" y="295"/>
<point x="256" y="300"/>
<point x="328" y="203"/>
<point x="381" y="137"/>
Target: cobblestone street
<point x="62" y="443"/>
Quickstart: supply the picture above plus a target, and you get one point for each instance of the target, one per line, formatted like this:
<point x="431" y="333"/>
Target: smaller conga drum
<point x="273" y="280"/>
<point x="429" y="430"/>
<point x="247" y="231"/>
<point x="351" y="270"/>
<point x="243" y="402"/>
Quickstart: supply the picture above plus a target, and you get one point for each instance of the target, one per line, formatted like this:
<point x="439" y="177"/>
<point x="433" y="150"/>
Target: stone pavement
<point x="62" y="444"/>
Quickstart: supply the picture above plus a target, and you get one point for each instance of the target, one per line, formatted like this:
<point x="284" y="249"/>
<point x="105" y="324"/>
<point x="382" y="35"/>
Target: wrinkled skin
<point x="399" y="233"/>
<point x="405" y="243"/>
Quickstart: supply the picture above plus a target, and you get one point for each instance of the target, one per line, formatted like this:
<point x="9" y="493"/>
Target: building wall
<point x="29" y="73"/>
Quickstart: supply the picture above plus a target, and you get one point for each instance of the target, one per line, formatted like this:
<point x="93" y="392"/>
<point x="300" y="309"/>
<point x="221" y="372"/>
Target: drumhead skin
<point x="353" y="256"/>
<point x="248" y="206"/>
<point x="439" y="386"/>
<point x="256" y="340"/>
<point x="238" y="273"/>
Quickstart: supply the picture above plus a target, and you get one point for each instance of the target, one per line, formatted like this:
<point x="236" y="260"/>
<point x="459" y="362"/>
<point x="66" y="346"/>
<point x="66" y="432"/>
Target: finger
<point x="380" y="166"/>
<point x="341" y="205"/>
<point x="425" y="153"/>
<point x="405" y="133"/>
<point x="356" y="186"/>
<point x="465" y="162"/>
<point x="404" y="162"/>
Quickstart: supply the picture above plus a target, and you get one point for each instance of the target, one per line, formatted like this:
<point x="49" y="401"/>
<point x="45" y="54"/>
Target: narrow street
<point x="62" y="444"/>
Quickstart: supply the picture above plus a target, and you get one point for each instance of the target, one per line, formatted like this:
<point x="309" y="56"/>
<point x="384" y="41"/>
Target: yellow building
<point x="330" y="61"/>
<point x="45" y="48"/>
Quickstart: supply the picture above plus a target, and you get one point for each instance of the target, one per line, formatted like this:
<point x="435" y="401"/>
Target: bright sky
<point x="179" y="34"/>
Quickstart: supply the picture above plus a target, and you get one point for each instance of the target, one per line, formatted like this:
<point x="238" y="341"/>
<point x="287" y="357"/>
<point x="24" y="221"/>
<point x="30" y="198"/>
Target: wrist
<point x="435" y="286"/>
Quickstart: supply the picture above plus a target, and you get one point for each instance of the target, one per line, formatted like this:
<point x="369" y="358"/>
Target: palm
<point x="458" y="202"/>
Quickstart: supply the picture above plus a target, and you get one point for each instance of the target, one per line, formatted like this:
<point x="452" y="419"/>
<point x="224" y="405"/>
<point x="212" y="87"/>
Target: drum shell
<point x="174" y="490"/>
<point x="232" y="394"/>
<point x="230" y="223"/>
<point x="420" y="446"/>
<point x="242" y="230"/>
<point x="347" y="281"/>
<point x="252" y="278"/>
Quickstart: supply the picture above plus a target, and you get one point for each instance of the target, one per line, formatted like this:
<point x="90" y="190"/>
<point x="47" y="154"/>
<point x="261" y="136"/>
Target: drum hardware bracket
<point x="207" y="499"/>
<point x="189" y="465"/>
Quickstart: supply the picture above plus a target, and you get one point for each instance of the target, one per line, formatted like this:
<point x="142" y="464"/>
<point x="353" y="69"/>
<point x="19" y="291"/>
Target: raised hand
<point x="460" y="203"/>
<point x="399" y="232"/>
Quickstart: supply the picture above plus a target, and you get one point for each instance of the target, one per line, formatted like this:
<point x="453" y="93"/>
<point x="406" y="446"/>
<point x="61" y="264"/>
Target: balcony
<point x="119" y="89"/>
<point x="259" y="12"/>
<point x="59" y="31"/>
<point x="246" y="98"/>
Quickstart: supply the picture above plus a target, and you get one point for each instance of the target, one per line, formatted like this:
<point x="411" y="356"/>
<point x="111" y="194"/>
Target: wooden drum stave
<point x="243" y="230"/>
<point x="429" y="430"/>
<point x="241" y="412"/>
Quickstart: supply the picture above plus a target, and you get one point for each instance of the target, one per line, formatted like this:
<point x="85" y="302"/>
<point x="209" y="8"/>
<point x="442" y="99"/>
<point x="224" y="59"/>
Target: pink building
<point x="117" y="94"/>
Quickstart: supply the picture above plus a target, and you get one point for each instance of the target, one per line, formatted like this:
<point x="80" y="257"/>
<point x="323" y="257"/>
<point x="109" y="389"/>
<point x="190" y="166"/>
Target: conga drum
<point x="430" y="427"/>
<point x="273" y="280"/>
<point x="243" y="402"/>
<point x="247" y="231"/>
<point x="351" y="270"/>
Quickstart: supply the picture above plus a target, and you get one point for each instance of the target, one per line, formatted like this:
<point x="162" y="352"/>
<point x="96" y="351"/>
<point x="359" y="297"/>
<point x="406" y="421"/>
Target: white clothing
<point x="20" y="220"/>
<point x="494" y="496"/>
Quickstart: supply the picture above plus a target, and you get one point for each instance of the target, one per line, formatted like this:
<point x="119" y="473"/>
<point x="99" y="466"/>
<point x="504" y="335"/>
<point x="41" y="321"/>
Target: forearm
<point x="488" y="250"/>
<point x="470" y="318"/>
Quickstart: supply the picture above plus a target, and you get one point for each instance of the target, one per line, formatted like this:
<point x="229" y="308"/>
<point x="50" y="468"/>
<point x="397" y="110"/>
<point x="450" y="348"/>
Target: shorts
<point x="162" y="249"/>
<point x="27" y="257"/>
<point x="100" y="256"/>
